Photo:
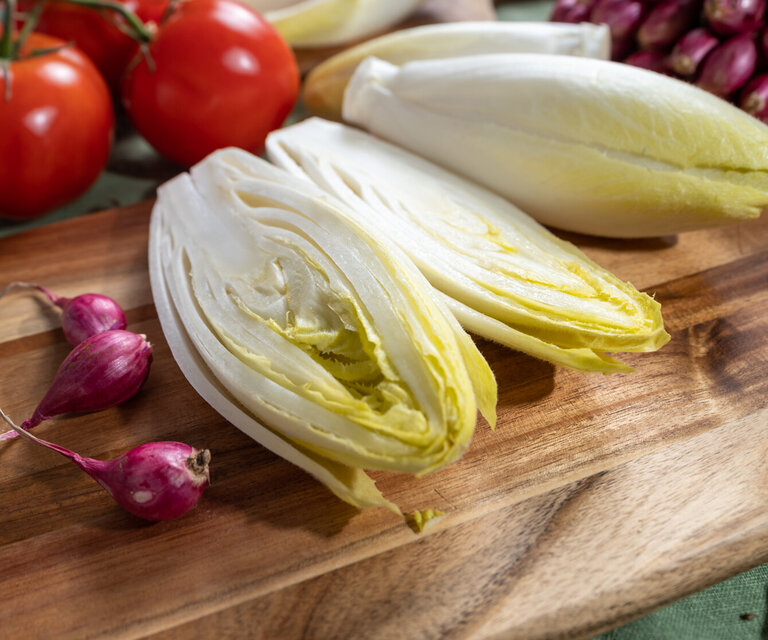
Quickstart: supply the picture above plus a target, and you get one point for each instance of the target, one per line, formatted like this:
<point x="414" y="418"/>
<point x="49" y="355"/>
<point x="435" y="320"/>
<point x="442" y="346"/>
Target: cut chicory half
<point x="280" y="309"/>
<point x="503" y="275"/>
<point x="323" y="91"/>
<point x="586" y="145"/>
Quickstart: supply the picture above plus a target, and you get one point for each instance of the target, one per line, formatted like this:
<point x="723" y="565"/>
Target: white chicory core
<point x="281" y="309"/>
<point x="324" y="23"/>
<point x="323" y="90"/>
<point x="503" y="275"/>
<point x="585" y="145"/>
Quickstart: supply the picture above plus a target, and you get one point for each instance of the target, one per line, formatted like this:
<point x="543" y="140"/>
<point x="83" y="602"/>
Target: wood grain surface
<point x="595" y="500"/>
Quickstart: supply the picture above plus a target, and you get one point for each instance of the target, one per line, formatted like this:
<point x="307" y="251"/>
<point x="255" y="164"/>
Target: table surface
<point x="597" y="499"/>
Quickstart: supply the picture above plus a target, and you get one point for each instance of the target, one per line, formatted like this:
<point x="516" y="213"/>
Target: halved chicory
<point x="282" y="310"/>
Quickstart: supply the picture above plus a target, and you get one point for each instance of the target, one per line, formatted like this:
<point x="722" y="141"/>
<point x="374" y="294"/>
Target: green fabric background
<point x="713" y="614"/>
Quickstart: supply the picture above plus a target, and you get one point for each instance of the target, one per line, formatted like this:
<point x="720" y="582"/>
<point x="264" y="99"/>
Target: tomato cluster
<point x="207" y="74"/>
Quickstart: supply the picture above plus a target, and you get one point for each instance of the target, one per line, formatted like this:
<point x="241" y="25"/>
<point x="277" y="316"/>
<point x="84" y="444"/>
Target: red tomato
<point x="96" y="33"/>
<point x="223" y="77"/>
<point x="56" y="129"/>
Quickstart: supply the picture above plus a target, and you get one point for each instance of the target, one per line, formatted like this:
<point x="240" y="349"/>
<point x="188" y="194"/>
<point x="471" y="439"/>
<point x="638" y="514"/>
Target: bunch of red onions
<point x="718" y="45"/>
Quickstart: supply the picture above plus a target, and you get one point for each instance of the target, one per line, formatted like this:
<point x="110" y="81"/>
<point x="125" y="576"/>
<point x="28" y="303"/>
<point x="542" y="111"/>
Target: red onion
<point x="666" y="22"/>
<point x="83" y="315"/>
<point x="729" y="17"/>
<point x="764" y="43"/>
<point x="690" y="51"/>
<point x="623" y="17"/>
<point x="572" y="11"/>
<point x="102" y="371"/>
<point x="651" y="60"/>
<point x="754" y="97"/>
<point x="621" y="47"/>
<point x="729" y="66"/>
<point x="154" y="481"/>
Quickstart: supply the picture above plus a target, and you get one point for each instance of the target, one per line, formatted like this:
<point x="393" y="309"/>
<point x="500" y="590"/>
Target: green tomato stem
<point x="6" y="43"/>
<point x="29" y="26"/>
<point x="148" y="57"/>
<point x="140" y="32"/>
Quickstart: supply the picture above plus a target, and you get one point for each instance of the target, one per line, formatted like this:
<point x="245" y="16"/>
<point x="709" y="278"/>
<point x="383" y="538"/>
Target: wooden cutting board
<point x="595" y="500"/>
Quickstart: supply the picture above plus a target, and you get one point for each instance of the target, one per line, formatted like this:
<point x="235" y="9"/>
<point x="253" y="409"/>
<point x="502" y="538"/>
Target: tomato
<point x="97" y="33"/>
<point x="223" y="77"/>
<point x="55" y="130"/>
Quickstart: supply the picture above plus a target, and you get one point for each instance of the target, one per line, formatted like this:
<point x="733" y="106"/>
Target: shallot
<point x="729" y="17"/>
<point x="155" y="481"/>
<point x="651" y="60"/>
<point x="622" y="16"/>
<point x="83" y="315"/>
<point x="104" y="370"/>
<point x="666" y="22"/>
<point x="729" y="66"/>
<point x="754" y="97"/>
<point x="572" y="11"/>
<point x="690" y="51"/>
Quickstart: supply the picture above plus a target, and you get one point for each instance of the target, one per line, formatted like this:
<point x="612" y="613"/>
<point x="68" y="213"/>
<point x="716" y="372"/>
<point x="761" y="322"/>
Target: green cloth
<point x="736" y="609"/>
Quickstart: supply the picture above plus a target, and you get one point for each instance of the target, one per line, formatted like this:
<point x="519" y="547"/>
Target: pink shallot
<point x="83" y="315"/>
<point x="729" y="66"/>
<point x="155" y="481"/>
<point x="102" y="371"/>
<point x="754" y="97"/>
